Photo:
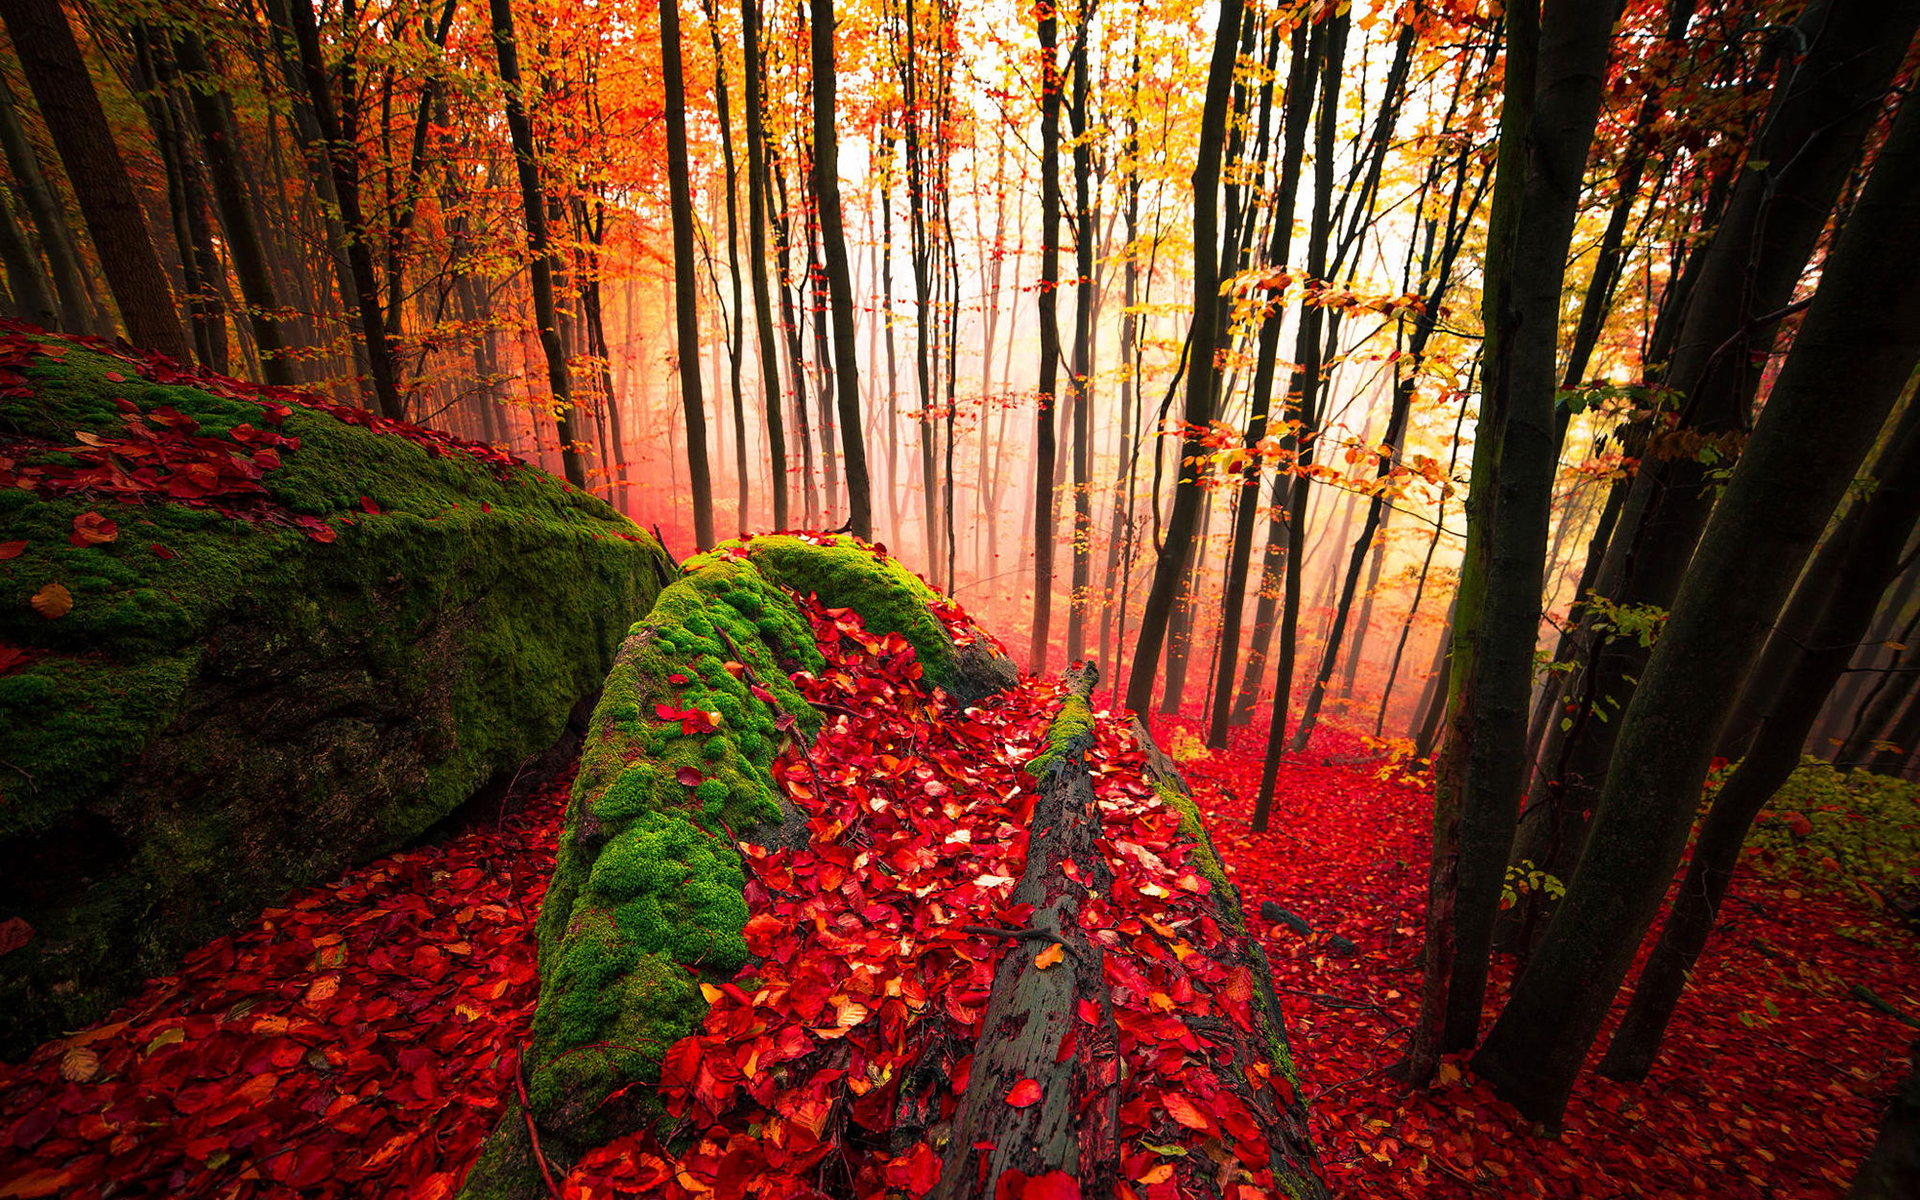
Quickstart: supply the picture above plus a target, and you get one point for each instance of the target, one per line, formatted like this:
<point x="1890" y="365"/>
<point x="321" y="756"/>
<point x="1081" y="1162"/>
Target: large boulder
<point x="248" y="638"/>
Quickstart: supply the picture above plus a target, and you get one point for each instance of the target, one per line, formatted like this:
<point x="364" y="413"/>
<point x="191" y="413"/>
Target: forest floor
<point x="359" y="1039"/>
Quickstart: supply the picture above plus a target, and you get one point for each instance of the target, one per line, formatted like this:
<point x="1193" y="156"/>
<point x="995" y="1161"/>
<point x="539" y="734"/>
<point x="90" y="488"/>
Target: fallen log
<point x="1043" y="1102"/>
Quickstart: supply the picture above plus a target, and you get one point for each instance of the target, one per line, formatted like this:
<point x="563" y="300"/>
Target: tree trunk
<point x="338" y="143"/>
<point x="756" y="256"/>
<point x="1170" y="568"/>
<point x="76" y="311"/>
<point x="686" y="288"/>
<point x="244" y="245"/>
<point x="1870" y="540"/>
<point x="1811" y="139"/>
<point x="826" y="186"/>
<point x="1892" y="1168"/>
<point x="61" y="85"/>
<point x="1295" y="121"/>
<point x="1048" y="24"/>
<point x="1854" y="353"/>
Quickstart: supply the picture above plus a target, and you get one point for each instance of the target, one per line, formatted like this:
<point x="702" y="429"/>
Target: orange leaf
<point x="53" y="601"/>
<point x="1182" y="1110"/>
<point x="92" y="529"/>
<point x="1050" y="956"/>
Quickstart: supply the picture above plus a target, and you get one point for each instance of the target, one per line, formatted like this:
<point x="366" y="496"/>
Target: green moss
<point x="847" y="573"/>
<point x="1068" y="736"/>
<point x="247" y="709"/>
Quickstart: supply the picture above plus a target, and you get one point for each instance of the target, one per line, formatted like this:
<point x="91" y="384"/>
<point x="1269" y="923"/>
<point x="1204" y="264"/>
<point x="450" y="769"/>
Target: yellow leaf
<point x="1048" y="957"/>
<point x="52" y="601"/>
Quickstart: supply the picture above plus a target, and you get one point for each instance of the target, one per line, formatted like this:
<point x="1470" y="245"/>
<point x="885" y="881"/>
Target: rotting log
<point x="1280" y="1111"/>
<point x="1032" y="1043"/>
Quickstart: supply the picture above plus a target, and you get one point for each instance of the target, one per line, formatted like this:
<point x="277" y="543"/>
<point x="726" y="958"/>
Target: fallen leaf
<point x="1024" y="1093"/>
<point x="52" y="601"/>
<point x="1050" y="956"/>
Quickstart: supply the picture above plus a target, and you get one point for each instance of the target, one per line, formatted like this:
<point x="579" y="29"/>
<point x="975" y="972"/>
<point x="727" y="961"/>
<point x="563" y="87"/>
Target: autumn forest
<point x="901" y="598"/>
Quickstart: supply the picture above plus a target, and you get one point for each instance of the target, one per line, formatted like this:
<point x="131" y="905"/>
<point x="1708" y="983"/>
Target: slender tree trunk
<point x="244" y="244"/>
<point x="76" y="311"/>
<point x="61" y="85"/>
<point x="686" y="289"/>
<point x="757" y="201"/>
<point x="1170" y="568"/>
<point x="539" y="246"/>
<point x="1048" y="394"/>
<point x="826" y="186"/>
<point x="1083" y="298"/>
<point x="1856" y="349"/>
<point x="338" y="141"/>
<point x="1298" y="116"/>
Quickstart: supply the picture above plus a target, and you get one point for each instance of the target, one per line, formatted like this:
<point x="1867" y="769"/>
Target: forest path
<point x="356" y="1041"/>
<point x="1771" y="1082"/>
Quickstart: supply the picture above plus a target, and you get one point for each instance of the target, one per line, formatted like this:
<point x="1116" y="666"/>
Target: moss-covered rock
<point x="234" y="706"/>
<point x="647" y="898"/>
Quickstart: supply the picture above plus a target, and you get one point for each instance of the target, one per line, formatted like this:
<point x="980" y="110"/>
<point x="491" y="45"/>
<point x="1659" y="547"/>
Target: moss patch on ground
<point x="231" y="707"/>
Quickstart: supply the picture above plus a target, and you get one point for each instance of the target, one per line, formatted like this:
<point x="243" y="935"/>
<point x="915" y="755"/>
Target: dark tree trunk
<point x="757" y="202"/>
<point x="686" y="288"/>
<point x="244" y="245"/>
<point x="833" y="238"/>
<point x="1306" y="410"/>
<point x="1294" y="123"/>
<point x="76" y="311"/>
<point x="1170" y="568"/>
<point x="540" y="250"/>
<point x="1082" y="413"/>
<point x="1892" y="1168"/>
<point x="1870" y="540"/>
<point x="1047" y="397"/>
<point x="61" y="85"/>
<point x="1810" y="141"/>
<point x="1854" y="353"/>
<point x="338" y="143"/>
<point x="1528" y="246"/>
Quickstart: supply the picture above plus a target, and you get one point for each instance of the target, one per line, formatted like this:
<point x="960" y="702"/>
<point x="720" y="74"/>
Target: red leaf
<point x="11" y="549"/>
<point x="690" y="776"/>
<point x="367" y="504"/>
<point x="1024" y="1093"/>
<point x="92" y="529"/>
<point x="14" y="933"/>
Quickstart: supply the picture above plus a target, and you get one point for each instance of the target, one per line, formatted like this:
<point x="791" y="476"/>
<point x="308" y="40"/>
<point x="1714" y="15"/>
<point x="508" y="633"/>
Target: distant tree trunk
<point x="30" y="298"/>
<point x="1871" y="537"/>
<point x="1295" y="121"/>
<point x="229" y="189"/>
<point x="756" y="256"/>
<point x="1083" y="245"/>
<point x="826" y="185"/>
<point x="76" y="312"/>
<point x="1048" y="395"/>
<point x="723" y="112"/>
<point x="686" y="289"/>
<point x="1853" y="355"/>
<point x="1203" y="369"/>
<point x="540" y="250"/>
<point x="338" y="143"/>
<point x="1311" y="354"/>
<point x="61" y="85"/>
<point x="200" y="269"/>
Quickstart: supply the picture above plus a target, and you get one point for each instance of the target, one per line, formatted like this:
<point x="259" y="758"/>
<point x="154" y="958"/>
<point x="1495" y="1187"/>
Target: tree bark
<point x="61" y="85"/>
<point x="1870" y="540"/>
<point x="1854" y="353"/>
<point x="756" y="255"/>
<point x="1170" y="568"/>
<point x="686" y="288"/>
<point x="76" y="312"/>
<point x="833" y="238"/>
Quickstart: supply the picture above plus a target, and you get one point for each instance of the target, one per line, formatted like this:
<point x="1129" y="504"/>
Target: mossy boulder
<point x="310" y="635"/>
<point x="647" y="899"/>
